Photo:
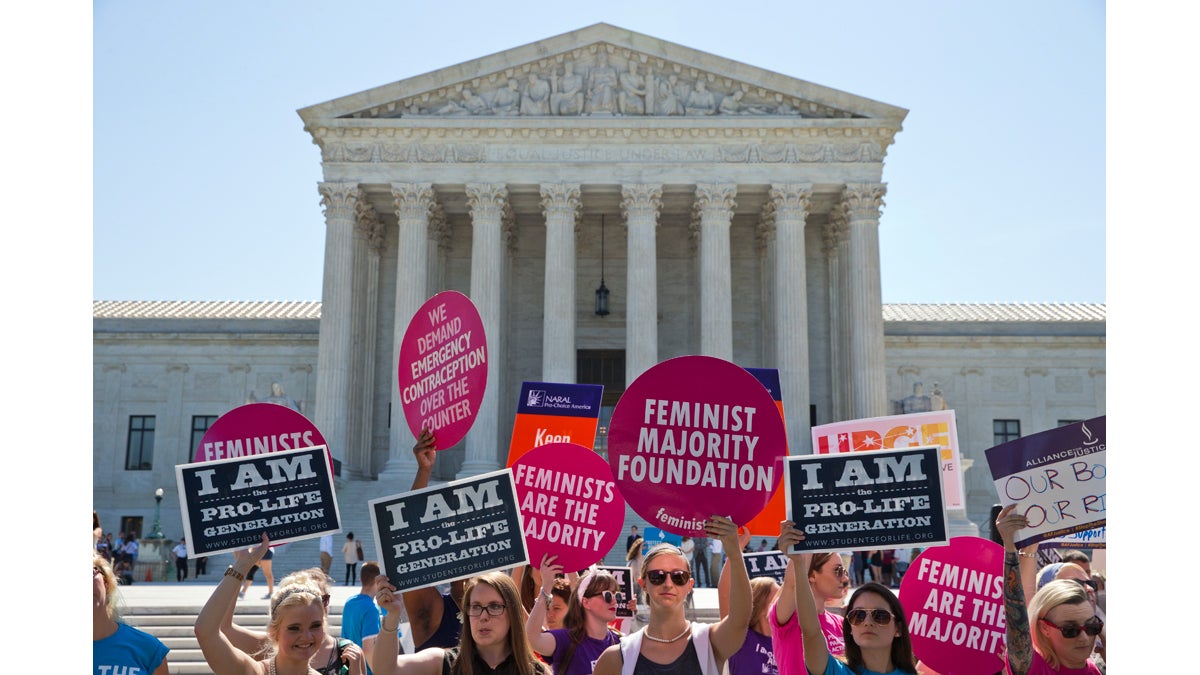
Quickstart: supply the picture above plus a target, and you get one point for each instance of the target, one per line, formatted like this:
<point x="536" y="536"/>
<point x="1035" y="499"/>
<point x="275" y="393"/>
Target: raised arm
<point x="540" y="639"/>
<point x="222" y="656"/>
<point x="785" y="603"/>
<point x="816" y="651"/>
<point x="723" y="579"/>
<point x="729" y="633"/>
<point x="425" y="450"/>
<point x="250" y="641"/>
<point x="387" y="643"/>
<point x="1017" y="638"/>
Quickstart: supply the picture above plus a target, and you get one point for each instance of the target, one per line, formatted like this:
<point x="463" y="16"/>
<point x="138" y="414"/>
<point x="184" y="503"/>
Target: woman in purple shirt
<point x="574" y="648"/>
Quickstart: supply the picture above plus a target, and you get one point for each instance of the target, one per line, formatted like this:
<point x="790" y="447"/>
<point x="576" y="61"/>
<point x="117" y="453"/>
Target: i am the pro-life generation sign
<point x="443" y="368"/>
<point x="884" y="499"/>
<point x="453" y="531"/>
<point x="772" y="564"/>
<point x="227" y="504"/>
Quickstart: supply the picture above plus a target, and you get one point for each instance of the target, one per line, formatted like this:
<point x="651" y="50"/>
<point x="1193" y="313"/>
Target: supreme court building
<point x="727" y="210"/>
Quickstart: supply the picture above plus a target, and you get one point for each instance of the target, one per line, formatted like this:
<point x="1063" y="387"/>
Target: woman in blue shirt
<point x="116" y="646"/>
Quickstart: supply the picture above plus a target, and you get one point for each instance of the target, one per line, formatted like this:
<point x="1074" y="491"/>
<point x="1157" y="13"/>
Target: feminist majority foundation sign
<point x="570" y="505"/>
<point x="227" y="504"/>
<point x="696" y="436"/>
<point x="255" y="429"/>
<point x="453" y="531"/>
<point x="885" y="499"/>
<point x="443" y="367"/>
<point x="954" y="601"/>
<point x="554" y="412"/>
<point x="890" y="432"/>
<point x="1056" y="478"/>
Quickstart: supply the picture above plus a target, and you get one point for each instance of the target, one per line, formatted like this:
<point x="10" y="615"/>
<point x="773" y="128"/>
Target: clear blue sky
<point x="205" y="181"/>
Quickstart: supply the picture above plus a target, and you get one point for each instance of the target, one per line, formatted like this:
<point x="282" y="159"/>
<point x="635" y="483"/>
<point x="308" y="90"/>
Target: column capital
<point x="439" y="227"/>
<point x="833" y="235"/>
<point x="641" y="201"/>
<point x="862" y="201"/>
<point x="338" y="200"/>
<point x="764" y="231"/>
<point x="715" y="199"/>
<point x="561" y="199"/>
<point x="487" y="200"/>
<point x="368" y="226"/>
<point x="413" y="200"/>
<point x="791" y="199"/>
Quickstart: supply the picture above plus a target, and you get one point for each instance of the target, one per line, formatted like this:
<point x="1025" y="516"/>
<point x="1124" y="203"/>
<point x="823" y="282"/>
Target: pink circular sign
<point x="443" y="367"/>
<point x="570" y="505"/>
<point x="696" y="436"/>
<point x="257" y="428"/>
<point x="953" y="597"/>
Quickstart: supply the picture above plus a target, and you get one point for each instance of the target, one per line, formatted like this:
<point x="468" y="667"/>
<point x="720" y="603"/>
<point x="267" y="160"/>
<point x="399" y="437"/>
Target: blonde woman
<point x="117" y="646"/>
<point x="669" y="640"/>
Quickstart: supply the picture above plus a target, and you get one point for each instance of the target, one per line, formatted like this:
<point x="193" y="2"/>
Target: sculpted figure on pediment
<point x="602" y="86"/>
<point x="701" y="101"/>
<point x="471" y="105"/>
<point x="535" y="100"/>
<point x="632" y="98"/>
<point x="566" y="97"/>
<point x="733" y="105"/>
<point x="507" y="99"/>
<point x="668" y="103"/>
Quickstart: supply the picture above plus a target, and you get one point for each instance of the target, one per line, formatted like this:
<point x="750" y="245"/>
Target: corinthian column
<point x="487" y="204"/>
<point x="368" y="244"/>
<point x="413" y="202"/>
<point x="561" y="207"/>
<point x="333" y="346"/>
<point x="836" y="247"/>
<point x="714" y="209"/>
<point x="862" y="202"/>
<point x="640" y="205"/>
<point x="791" y="309"/>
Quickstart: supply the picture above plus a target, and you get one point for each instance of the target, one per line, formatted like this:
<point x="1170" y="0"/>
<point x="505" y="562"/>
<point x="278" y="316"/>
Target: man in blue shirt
<point x="360" y="614"/>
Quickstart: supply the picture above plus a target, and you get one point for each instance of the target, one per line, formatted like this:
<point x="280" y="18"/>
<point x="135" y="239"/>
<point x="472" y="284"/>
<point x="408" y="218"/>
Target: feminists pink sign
<point x="954" y="598"/>
<point x="443" y="367"/>
<point x="570" y="506"/>
<point x="696" y="436"/>
<point x="255" y="429"/>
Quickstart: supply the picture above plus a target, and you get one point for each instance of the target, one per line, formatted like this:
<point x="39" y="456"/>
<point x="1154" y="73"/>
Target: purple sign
<point x="443" y="367"/>
<point x="696" y="436"/>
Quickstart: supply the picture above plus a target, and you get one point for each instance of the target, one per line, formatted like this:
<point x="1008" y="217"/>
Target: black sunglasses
<point x="879" y="617"/>
<point x="1088" y="582"/>
<point x="1092" y="627"/>
<point x="678" y="577"/>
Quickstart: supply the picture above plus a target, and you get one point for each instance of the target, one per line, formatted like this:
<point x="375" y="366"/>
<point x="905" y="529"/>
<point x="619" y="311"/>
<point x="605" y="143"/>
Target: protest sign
<point x="453" y="531"/>
<point x="696" y="436"/>
<point x="228" y="503"/>
<point x="1094" y="538"/>
<point x="937" y="427"/>
<point x="771" y="564"/>
<point x="883" y="499"/>
<point x="254" y="429"/>
<point x="570" y="506"/>
<point x="1056" y="478"/>
<point x="766" y="523"/>
<point x="625" y="582"/>
<point x="653" y="536"/>
<point x="552" y="412"/>
<point x="954" y="600"/>
<point x="443" y="367"/>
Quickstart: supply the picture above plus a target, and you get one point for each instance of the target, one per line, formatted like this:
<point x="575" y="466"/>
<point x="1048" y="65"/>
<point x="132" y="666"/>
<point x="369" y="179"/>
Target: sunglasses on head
<point x="678" y="577"/>
<point x="879" y="617"/>
<point x="1092" y="627"/>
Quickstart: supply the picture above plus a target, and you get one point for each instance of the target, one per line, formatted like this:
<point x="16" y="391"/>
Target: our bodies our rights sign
<point x="693" y="437"/>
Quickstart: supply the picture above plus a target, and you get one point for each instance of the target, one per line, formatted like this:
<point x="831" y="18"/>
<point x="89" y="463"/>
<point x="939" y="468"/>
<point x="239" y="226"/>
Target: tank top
<point x="446" y="635"/>
<point x="688" y="663"/>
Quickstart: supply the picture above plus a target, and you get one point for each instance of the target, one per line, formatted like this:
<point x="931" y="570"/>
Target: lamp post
<point x="156" y="533"/>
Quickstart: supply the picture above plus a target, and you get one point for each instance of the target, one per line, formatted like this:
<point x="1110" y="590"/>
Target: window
<point x="139" y="452"/>
<point x="604" y="367"/>
<point x="200" y="425"/>
<point x="1004" y="431"/>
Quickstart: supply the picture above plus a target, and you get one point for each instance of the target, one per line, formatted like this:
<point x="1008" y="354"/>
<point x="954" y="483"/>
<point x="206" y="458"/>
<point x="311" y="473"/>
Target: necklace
<point x="686" y="628"/>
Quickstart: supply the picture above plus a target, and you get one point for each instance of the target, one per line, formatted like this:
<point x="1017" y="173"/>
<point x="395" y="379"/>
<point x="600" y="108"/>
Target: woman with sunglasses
<point x="493" y="641"/>
<point x="874" y="628"/>
<point x="584" y="635"/>
<point x="1064" y="623"/>
<point x="669" y="641"/>
<point x="335" y="656"/>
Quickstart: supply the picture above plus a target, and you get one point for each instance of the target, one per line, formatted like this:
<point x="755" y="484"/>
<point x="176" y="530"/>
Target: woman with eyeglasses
<point x="669" y="642"/>
<point x="584" y="635"/>
<point x="296" y="629"/>
<point x="335" y="656"/>
<point x="1056" y="633"/>
<point x="874" y="628"/>
<point x="493" y="643"/>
